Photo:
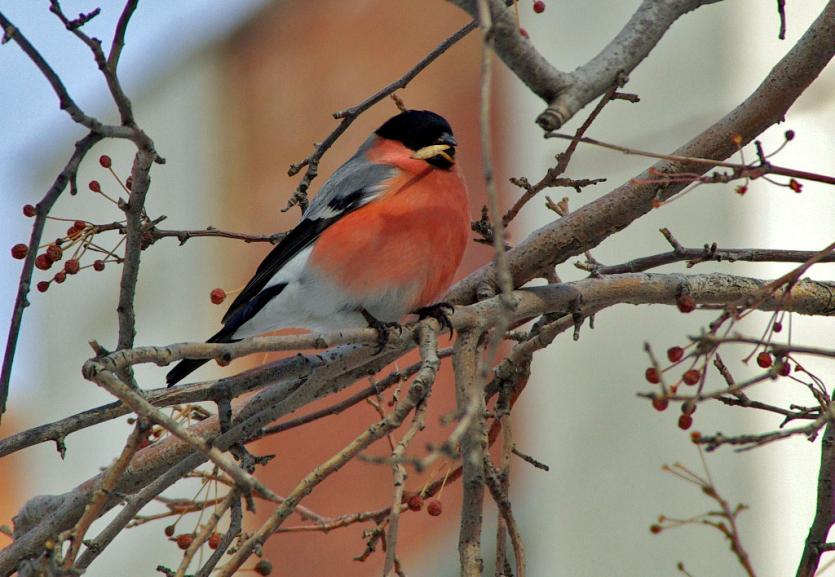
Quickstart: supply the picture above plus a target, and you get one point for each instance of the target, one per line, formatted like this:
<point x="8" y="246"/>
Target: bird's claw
<point x="382" y="328"/>
<point x="440" y="312"/>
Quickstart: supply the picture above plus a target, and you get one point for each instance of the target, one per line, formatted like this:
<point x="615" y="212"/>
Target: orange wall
<point x="288" y="71"/>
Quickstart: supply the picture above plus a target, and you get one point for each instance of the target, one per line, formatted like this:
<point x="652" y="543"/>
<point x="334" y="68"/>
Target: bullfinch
<point x="382" y="238"/>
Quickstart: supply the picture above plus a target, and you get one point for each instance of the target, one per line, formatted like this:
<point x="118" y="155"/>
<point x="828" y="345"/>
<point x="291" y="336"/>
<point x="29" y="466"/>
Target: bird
<point x="383" y="238"/>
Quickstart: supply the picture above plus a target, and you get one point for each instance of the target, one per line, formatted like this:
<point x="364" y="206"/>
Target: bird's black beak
<point x="447" y="138"/>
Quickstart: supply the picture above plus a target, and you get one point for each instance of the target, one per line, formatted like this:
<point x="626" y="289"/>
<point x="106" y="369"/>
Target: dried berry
<point x="660" y="404"/>
<point x="741" y="189"/>
<point x="98" y="265"/>
<point x="778" y="326"/>
<point x="795" y="186"/>
<point x="675" y="354"/>
<point x="415" y="503"/>
<point x="785" y="369"/>
<point x="94" y="186"/>
<point x="19" y="251"/>
<point x="29" y="210"/>
<point x="214" y="540"/>
<point x="263" y="567"/>
<point x="691" y="377"/>
<point x="434" y="507"/>
<point x="685" y="422"/>
<point x="789" y="134"/>
<point x="217" y="296"/>
<point x="104" y="160"/>
<point x="764" y="360"/>
<point x="169" y="530"/>
<point x="43" y="262"/>
<point x="54" y="252"/>
<point x="655" y="529"/>
<point x="686" y="303"/>
<point x="539" y="6"/>
<point x="71" y="266"/>
<point x="695" y="436"/>
<point x="60" y="276"/>
<point x="184" y="541"/>
<point x="43" y="286"/>
<point x="652" y="376"/>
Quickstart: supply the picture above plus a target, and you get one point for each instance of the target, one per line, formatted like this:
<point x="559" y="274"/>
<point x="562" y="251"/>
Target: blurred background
<point x="232" y="93"/>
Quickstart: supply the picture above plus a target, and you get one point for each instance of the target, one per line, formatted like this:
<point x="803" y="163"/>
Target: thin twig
<point x="742" y="169"/>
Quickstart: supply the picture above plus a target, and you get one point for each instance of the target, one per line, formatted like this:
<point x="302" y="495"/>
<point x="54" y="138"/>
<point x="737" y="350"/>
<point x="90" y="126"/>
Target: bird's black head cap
<point x="417" y="129"/>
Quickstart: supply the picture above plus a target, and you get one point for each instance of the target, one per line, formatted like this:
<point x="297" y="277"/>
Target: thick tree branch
<point x="824" y="515"/>
<point x="589" y="225"/>
<point x="567" y="93"/>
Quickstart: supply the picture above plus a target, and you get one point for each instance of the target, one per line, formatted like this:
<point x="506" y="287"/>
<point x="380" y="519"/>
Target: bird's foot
<point x="382" y="328"/>
<point x="440" y="312"/>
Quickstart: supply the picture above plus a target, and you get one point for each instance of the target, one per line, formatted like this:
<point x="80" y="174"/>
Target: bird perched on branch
<point x="383" y="238"/>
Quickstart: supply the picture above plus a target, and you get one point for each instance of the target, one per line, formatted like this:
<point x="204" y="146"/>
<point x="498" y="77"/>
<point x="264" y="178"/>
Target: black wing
<point x="355" y="184"/>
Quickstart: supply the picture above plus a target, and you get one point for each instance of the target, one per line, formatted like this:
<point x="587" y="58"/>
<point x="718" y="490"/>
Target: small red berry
<point x="660" y="404"/>
<point x="29" y="210"/>
<point x="789" y="134"/>
<point x="686" y="303"/>
<point x="695" y="436"/>
<point x="169" y="530"/>
<point x="71" y="266"/>
<point x="785" y="368"/>
<point x="685" y="422"/>
<point x="19" y="251"/>
<point x="43" y="286"/>
<point x="98" y="265"/>
<point x="691" y="377"/>
<point x="214" y="540"/>
<point x="60" y="276"/>
<point x="524" y="33"/>
<point x="43" y="262"/>
<point x="688" y="407"/>
<point x="652" y="376"/>
<point x="415" y="503"/>
<point x="434" y="507"/>
<point x="655" y="529"/>
<point x="778" y="326"/>
<point x="795" y="186"/>
<point x="539" y="6"/>
<point x="675" y="354"/>
<point x="129" y="183"/>
<point x="263" y="567"/>
<point x="104" y="160"/>
<point x="741" y="189"/>
<point x="217" y="296"/>
<point x="54" y="252"/>
<point x="80" y="225"/>
<point x="764" y="360"/>
<point x="95" y="186"/>
<point x="184" y="541"/>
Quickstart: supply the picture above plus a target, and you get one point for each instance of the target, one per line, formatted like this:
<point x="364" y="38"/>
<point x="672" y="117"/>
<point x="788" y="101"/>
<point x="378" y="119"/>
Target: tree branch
<point x="589" y="225"/>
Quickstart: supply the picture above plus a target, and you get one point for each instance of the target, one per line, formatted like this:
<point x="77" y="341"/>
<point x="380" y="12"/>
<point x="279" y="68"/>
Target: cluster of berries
<point x="80" y="234"/>
<point x="414" y="501"/>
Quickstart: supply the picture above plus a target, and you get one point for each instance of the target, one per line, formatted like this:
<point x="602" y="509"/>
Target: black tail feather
<point x="187" y="366"/>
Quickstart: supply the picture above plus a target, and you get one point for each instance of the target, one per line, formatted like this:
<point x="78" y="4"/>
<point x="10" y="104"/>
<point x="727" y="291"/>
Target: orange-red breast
<point x="383" y="238"/>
